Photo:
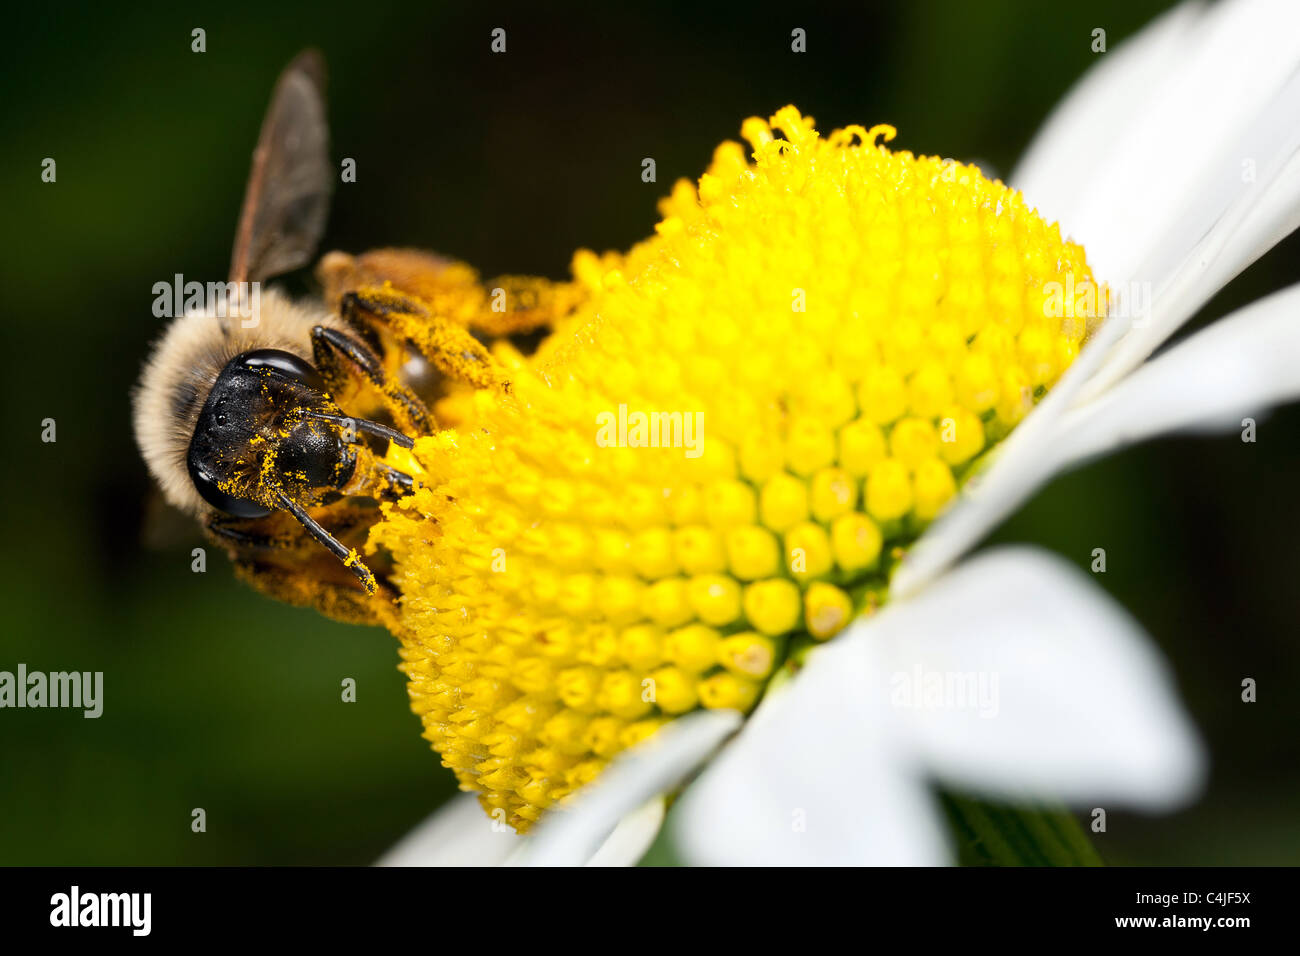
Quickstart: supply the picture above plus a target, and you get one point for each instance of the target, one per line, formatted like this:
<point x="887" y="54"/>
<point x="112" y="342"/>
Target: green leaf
<point x="989" y="834"/>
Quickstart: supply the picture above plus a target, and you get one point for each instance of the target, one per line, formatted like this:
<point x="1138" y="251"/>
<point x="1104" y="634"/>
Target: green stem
<point x="990" y="834"/>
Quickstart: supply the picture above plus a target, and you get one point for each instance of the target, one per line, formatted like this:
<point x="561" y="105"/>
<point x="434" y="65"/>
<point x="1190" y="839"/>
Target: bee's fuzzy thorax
<point x="182" y="369"/>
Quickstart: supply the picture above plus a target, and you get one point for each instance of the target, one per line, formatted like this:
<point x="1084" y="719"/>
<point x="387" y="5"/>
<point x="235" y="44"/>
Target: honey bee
<point x="276" y="432"/>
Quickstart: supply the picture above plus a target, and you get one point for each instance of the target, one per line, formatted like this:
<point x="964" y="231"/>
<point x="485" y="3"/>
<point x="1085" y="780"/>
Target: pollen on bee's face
<point x="854" y="327"/>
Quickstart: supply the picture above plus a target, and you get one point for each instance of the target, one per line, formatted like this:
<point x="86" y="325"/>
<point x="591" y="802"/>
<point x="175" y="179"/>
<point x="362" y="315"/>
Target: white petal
<point x="1046" y="688"/>
<point x="1181" y="122"/>
<point x="570" y="835"/>
<point x="1059" y="162"/>
<point x="460" y="833"/>
<point x="1228" y="222"/>
<point x="1202" y="173"/>
<point x="1240" y="366"/>
<point x="625" y="846"/>
<point x="826" y="770"/>
<point x="814" y="779"/>
<point x="632" y="837"/>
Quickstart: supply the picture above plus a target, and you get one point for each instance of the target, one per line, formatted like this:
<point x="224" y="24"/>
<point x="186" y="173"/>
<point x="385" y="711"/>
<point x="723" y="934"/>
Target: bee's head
<point x="269" y="429"/>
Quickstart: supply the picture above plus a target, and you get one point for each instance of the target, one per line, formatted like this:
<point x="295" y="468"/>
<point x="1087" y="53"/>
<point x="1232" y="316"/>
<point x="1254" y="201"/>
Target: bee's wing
<point x="288" y="192"/>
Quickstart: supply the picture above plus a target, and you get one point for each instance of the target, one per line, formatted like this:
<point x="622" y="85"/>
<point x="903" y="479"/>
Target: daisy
<point x="870" y="339"/>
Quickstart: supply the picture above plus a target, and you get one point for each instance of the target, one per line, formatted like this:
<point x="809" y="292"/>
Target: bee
<point x="277" y="433"/>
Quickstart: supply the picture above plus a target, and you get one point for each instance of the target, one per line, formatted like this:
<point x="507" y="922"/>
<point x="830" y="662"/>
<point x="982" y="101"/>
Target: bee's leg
<point x="336" y="354"/>
<point x="281" y="533"/>
<point x="521" y="304"/>
<point x="448" y="287"/>
<point x="252" y="534"/>
<point x="283" y="560"/>
<point x="448" y="346"/>
<point x="349" y="556"/>
<point x="506" y="305"/>
<point x="291" y="585"/>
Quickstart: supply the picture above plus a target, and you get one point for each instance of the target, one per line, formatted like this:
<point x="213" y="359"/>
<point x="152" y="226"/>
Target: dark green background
<point x="218" y="698"/>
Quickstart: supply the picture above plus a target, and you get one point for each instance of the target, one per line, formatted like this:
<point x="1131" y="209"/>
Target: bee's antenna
<point x="363" y="425"/>
<point x="331" y="543"/>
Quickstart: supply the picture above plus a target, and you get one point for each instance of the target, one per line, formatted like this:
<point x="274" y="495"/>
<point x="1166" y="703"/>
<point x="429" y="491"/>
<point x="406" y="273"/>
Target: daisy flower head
<point x="700" y="528"/>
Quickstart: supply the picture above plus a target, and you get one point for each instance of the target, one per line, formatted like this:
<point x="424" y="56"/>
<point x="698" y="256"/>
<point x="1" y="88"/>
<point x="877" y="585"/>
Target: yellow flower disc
<point x="720" y="454"/>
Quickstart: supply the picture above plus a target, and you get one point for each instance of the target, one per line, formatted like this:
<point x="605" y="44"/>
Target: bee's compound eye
<point x="285" y="364"/>
<point x="211" y="492"/>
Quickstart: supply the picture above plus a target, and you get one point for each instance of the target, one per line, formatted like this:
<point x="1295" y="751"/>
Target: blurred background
<point x="218" y="698"/>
